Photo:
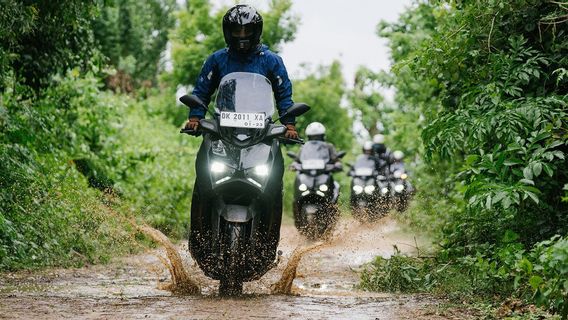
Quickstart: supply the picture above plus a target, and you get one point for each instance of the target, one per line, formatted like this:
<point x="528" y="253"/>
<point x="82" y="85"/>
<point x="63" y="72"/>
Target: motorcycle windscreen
<point x="314" y="155"/>
<point x="245" y="92"/>
<point x="364" y="166"/>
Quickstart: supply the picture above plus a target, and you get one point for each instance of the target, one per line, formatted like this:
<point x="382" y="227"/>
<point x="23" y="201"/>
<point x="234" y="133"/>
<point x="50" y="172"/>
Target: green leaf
<point x="506" y="202"/>
<point x="527" y="181"/>
<point x="533" y="196"/>
<point x="510" y="236"/>
<point x="535" y="282"/>
<point x="471" y="159"/>
<point x="540" y="137"/>
<point x="512" y="162"/>
<point x="499" y="196"/>
<point x="537" y="169"/>
<point x="548" y="170"/>
<point x="527" y="173"/>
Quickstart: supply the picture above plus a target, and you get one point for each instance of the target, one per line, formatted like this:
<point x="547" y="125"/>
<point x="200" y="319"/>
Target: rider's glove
<point x="291" y="132"/>
<point x="192" y="123"/>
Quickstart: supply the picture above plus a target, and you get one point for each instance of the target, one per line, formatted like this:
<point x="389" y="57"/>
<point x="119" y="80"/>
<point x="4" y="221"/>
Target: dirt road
<point x="128" y="287"/>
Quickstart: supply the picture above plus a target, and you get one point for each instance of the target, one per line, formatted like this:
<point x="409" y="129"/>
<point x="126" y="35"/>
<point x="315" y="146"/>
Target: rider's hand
<point x="291" y="132"/>
<point x="192" y="123"/>
<point x="338" y="166"/>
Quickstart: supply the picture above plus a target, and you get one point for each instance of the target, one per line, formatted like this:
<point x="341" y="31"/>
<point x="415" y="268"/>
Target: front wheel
<point x="233" y="249"/>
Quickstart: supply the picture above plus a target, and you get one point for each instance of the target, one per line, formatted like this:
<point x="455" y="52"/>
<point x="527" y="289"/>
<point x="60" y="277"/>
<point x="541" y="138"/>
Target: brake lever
<point x="191" y="132"/>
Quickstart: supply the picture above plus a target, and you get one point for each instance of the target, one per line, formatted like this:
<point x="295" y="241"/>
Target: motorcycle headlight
<point x="403" y="176"/>
<point x="218" y="148"/>
<point x="369" y="189"/>
<point x="261" y="170"/>
<point x="398" y="188"/>
<point x="384" y="190"/>
<point x="324" y="188"/>
<point x="302" y="187"/>
<point x="218" y="167"/>
<point x="358" y="189"/>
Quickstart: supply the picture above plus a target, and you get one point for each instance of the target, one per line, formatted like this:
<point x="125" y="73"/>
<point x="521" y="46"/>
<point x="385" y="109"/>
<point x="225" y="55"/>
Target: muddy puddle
<point x="322" y="279"/>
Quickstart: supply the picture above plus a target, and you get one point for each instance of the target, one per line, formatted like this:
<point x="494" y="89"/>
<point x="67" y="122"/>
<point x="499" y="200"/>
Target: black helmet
<point x="245" y="20"/>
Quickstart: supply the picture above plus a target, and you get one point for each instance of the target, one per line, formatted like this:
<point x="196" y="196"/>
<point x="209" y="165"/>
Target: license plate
<point x="313" y="164"/>
<point x="242" y="120"/>
<point x="363" y="171"/>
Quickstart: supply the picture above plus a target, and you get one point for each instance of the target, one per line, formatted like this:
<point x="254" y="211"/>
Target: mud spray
<point x="284" y="285"/>
<point x="181" y="281"/>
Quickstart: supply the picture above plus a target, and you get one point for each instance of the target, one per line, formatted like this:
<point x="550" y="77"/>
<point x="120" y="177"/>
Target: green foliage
<point x="538" y="275"/>
<point x="495" y="114"/>
<point x="32" y="44"/>
<point x="398" y="273"/>
<point x="48" y="215"/>
<point x="488" y="78"/>
<point x="365" y="99"/>
<point x="134" y="31"/>
<point x="153" y="166"/>
<point x="323" y="90"/>
<point x="199" y="33"/>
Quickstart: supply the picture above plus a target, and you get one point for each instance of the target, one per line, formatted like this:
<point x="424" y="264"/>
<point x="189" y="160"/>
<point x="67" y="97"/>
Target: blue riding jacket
<point x="261" y="61"/>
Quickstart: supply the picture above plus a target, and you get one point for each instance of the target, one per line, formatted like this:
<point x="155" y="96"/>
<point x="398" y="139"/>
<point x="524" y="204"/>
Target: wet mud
<point x="322" y="277"/>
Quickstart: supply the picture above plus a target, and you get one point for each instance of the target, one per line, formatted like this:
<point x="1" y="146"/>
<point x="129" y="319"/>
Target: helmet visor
<point x="242" y="32"/>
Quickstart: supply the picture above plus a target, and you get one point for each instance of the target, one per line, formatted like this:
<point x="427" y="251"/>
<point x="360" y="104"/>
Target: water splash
<point x="284" y="285"/>
<point x="181" y="282"/>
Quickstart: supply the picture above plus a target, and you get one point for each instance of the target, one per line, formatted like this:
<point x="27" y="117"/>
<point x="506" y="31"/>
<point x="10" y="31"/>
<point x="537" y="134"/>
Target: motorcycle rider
<point x="367" y="154"/>
<point x="242" y="28"/>
<point x="315" y="132"/>
<point x="381" y="153"/>
<point x="396" y="161"/>
<point x="368" y="148"/>
<point x="379" y="148"/>
<point x="314" y="208"/>
<point x="398" y="171"/>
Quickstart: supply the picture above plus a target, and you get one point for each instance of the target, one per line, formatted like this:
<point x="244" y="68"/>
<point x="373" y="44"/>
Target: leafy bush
<point x="48" y="215"/>
<point x="538" y="275"/>
<point x="398" y="273"/>
<point x="488" y="78"/>
<point x="59" y="147"/>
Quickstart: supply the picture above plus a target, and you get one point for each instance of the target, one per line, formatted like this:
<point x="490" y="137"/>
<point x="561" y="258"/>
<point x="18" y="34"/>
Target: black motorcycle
<point x="401" y="189"/>
<point x="315" y="191"/>
<point x="236" y="209"/>
<point x="368" y="200"/>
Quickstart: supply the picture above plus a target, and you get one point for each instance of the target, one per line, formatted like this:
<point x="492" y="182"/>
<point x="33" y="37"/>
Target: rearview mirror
<point x="295" y="110"/>
<point x="192" y="101"/>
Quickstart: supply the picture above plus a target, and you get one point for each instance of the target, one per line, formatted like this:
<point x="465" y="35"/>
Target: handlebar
<point x="291" y="141"/>
<point x="190" y="132"/>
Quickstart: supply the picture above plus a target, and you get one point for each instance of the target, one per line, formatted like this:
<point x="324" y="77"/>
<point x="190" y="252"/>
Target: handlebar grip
<point x="190" y="132"/>
<point x="291" y="141"/>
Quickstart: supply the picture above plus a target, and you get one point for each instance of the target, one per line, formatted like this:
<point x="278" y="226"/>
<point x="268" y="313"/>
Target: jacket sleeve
<point x="207" y="82"/>
<point x="282" y="88"/>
